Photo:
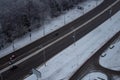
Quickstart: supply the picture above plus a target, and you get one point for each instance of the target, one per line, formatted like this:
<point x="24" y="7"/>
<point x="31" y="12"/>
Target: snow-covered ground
<point x="111" y="60"/>
<point x="64" y="64"/>
<point x="95" y="76"/>
<point x="51" y="26"/>
<point x="116" y="78"/>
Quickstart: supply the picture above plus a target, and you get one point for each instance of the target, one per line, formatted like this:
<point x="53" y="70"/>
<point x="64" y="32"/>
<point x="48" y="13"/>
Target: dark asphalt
<point x="25" y="67"/>
<point x="92" y="64"/>
<point x="51" y="37"/>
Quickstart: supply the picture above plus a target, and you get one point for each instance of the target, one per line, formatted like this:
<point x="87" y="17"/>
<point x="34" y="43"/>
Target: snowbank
<point x="111" y="60"/>
<point x="95" y="76"/>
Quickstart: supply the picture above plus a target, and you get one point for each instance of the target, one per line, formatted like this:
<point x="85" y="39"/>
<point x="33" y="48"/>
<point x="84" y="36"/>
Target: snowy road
<point x="69" y="37"/>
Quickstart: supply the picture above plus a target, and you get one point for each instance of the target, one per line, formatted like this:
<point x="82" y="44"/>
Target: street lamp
<point x="83" y="10"/>
<point x="13" y="46"/>
<point x="110" y="12"/>
<point x="43" y="23"/>
<point x="44" y="52"/>
<point x="96" y="2"/>
<point x="74" y="35"/>
<point x="43" y="30"/>
<point x="64" y="19"/>
<point x="30" y="33"/>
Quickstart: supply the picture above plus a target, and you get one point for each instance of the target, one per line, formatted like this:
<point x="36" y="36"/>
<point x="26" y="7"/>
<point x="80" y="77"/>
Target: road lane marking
<point x="36" y="52"/>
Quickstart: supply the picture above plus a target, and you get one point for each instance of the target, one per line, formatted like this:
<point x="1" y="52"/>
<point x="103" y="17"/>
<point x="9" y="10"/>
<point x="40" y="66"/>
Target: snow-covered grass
<point x="64" y="64"/>
<point x="95" y="76"/>
<point x="111" y="59"/>
<point x="116" y="78"/>
<point x="51" y="26"/>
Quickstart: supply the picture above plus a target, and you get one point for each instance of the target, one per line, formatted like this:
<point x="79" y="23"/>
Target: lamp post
<point x="43" y="29"/>
<point x="30" y="33"/>
<point x="43" y="23"/>
<point x="96" y="2"/>
<point x="64" y="19"/>
<point x="13" y="46"/>
<point x="30" y="36"/>
<point x="74" y="35"/>
<point x="83" y="11"/>
<point x="74" y="38"/>
<point x="110" y="12"/>
<point x="44" y="52"/>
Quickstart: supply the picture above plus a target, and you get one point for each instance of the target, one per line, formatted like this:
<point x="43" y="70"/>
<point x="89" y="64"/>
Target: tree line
<point x="18" y="17"/>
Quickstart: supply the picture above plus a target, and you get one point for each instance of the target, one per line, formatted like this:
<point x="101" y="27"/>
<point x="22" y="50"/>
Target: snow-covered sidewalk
<point x="55" y="24"/>
<point x="63" y="65"/>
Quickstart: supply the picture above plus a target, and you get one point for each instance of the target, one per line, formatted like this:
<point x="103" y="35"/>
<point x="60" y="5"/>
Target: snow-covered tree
<point x="18" y="17"/>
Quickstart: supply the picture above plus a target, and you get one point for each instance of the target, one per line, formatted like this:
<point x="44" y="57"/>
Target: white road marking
<point x="25" y="58"/>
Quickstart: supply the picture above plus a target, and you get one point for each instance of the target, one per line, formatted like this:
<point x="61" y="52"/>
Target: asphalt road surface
<point x="25" y="67"/>
<point x="92" y="64"/>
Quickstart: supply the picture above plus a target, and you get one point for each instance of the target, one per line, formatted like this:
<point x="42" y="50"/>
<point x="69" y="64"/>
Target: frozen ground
<point x="95" y="76"/>
<point x="63" y="65"/>
<point x="116" y="78"/>
<point x="111" y="60"/>
<point x="56" y="23"/>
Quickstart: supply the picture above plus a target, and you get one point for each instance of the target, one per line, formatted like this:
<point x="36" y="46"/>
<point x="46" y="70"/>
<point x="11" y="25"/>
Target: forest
<point x="18" y="17"/>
